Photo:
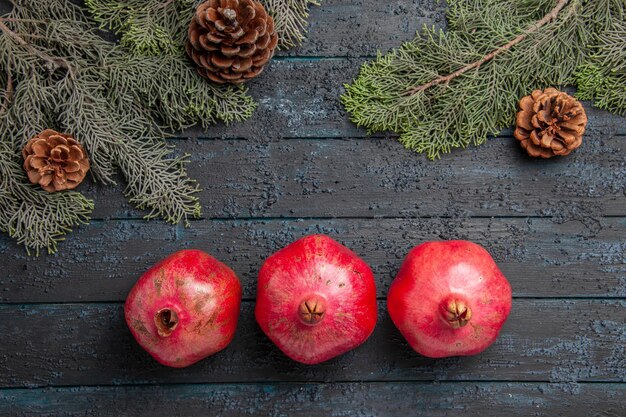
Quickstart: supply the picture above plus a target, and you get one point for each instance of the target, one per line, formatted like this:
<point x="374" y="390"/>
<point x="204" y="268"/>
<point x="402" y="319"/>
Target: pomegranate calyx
<point x="166" y="321"/>
<point x="312" y="310"/>
<point x="456" y="313"/>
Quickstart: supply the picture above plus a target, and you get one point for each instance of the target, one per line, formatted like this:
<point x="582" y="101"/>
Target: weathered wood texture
<point x="543" y="340"/>
<point x="356" y="28"/>
<point x="397" y="399"/>
<point x="378" y="177"/>
<point x="299" y="98"/>
<point x="264" y="176"/>
<point x="364" y="27"/>
<point x="540" y="257"/>
<point x="558" y="235"/>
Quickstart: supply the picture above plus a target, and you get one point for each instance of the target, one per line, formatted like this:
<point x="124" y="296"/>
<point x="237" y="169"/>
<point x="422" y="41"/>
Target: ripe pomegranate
<point x="184" y="308"/>
<point x="449" y="299"/>
<point x="316" y="299"/>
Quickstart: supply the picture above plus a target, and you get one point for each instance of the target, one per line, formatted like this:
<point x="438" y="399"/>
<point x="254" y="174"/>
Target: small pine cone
<point x="231" y="40"/>
<point x="550" y="123"/>
<point x="55" y="161"/>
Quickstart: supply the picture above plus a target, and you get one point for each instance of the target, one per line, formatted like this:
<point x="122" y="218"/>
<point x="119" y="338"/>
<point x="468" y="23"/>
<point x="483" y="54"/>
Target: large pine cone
<point x="550" y="123"/>
<point x="55" y="161"/>
<point x="231" y="40"/>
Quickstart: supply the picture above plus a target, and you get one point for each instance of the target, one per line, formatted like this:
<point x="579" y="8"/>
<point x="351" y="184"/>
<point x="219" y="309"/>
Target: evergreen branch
<point x="602" y="78"/>
<point x="146" y="27"/>
<point x="156" y="181"/>
<point x="7" y="95"/>
<point x="290" y="18"/>
<point x="154" y="31"/>
<point x="191" y="101"/>
<point x="116" y="104"/>
<point x="552" y="15"/>
<point x="35" y="218"/>
<point x="155" y="27"/>
<point x="54" y="63"/>
<point x="161" y="180"/>
<point x="545" y="42"/>
<point x="166" y="4"/>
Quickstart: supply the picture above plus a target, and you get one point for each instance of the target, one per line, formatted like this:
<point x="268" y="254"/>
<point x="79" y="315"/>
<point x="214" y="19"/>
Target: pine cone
<point x="55" y="161"/>
<point x="550" y="123"/>
<point x="231" y="40"/>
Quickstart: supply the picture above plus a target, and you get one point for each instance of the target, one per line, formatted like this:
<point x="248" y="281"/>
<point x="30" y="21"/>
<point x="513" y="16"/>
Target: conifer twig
<point x="499" y="56"/>
<point x="552" y="15"/>
<point x="118" y="105"/>
<point x="56" y="62"/>
<point x="165" y="4"/>
<point x="8" y="94"/>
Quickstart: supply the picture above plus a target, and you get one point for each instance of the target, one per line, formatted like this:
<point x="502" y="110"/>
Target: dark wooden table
<point x="556" y="228"/>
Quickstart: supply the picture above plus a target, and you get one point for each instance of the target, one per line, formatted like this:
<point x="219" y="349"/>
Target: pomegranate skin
<point x="449" y="299"/>
<point x="316" y="299"/>
<point x="184" y="308"/>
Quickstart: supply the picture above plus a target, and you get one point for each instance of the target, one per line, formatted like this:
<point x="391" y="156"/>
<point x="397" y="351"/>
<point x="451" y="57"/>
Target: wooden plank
<point x="299" y="98"/>
<point x="299" y="92"/>
<point x="540" y="257"/>
<point x="378" y="177"/>
<point x="358" y="28"/>
<point x="364" y="27"/>
<point x="89" y="344"/>
<point x="396" y="399"/>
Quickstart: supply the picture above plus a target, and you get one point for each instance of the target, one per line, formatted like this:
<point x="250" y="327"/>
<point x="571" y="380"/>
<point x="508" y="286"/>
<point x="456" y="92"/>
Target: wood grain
<point x="364" y="27"/>
<point x="379" y="178"/>
<point x="299" y="97"/>
<point x="89" y="344"/>
<point x="556" y="228"/>
<point x="395" y="399"/>
<point x="540" y="257"/>
<point x="260" y="175"/>
<point x="357" y="28"/>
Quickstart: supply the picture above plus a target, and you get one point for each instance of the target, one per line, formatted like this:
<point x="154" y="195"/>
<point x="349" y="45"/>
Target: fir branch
<point x="492" y="59"/>
<point x="155" y="27"/>
<point x="519" y="38"/>
<point x="603" y="77"/>
<point x="146" y="27"/>
<point x="192" y="101"/>
<point x="290" y="17"/>
<point x="156" y="181"/>
<point x="154" y="31"/>
<point x="7" y="95"/>
<point x="35" y="218"/>
<point x="114" y="103"/>
<point x="54" y="63"/>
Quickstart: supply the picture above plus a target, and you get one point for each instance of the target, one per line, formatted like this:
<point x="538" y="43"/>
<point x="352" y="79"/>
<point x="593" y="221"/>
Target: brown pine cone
<point x="231" y="40"/>
<point x="55" y="161"/>
<point x="550" y="123"/>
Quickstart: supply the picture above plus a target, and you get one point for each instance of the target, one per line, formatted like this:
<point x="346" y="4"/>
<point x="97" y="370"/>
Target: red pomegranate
<point x="449" y="299"/>
<point x="184" y="308"/>
<point x="316" y="299"/>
